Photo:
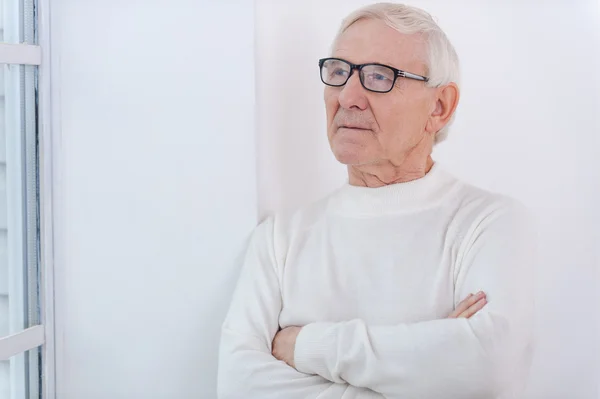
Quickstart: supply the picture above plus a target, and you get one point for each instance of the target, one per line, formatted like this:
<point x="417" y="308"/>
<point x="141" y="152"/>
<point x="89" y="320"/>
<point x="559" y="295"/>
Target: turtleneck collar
<point x="394" y="198"/>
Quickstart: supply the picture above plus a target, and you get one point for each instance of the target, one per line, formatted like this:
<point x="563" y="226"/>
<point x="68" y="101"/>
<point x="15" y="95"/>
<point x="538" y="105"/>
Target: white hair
<point x="442" y="61"/>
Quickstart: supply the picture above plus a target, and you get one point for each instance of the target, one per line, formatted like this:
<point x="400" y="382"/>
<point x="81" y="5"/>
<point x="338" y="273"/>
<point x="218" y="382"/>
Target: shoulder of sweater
<point x="302" y="217"/>
<point x="476" y="208"/>
<point x="274" y="232"/>
<point x="279" y="227"/>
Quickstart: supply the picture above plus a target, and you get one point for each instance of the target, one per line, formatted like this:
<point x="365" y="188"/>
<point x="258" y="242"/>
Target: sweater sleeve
<point x="450" y="358"/>
<point x="247" y="370"/>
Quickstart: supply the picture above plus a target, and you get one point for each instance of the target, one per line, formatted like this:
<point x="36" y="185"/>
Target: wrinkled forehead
<point x="370" y="40"/>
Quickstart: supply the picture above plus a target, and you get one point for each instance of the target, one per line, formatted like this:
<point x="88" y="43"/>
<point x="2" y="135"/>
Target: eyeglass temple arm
<point x="409" y="75"/>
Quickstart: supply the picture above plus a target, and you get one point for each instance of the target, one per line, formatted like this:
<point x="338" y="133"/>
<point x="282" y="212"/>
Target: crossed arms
<point x="457" y="357"/>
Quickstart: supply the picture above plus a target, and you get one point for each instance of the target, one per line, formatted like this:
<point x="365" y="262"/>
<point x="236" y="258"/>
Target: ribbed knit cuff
<point x="314" y="346"/>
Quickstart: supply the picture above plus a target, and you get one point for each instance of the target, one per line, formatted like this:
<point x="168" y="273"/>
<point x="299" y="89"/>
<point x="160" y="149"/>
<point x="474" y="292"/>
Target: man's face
<point x="367" y="128"/>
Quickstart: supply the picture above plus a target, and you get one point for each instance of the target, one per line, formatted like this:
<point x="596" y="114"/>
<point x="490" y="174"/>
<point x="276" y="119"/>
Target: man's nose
<point x="352" y="95"/>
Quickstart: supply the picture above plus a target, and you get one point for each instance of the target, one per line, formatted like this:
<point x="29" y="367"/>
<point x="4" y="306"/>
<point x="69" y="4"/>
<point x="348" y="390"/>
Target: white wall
<point x="527" y="126"/>
<point x="155" y="190"/>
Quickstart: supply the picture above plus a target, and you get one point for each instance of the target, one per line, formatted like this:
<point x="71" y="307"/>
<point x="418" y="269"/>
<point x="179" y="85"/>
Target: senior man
<point x="403" y="283"/>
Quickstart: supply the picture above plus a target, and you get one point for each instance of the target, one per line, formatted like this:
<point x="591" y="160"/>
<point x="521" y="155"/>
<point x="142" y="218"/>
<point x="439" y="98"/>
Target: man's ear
<point x="445" y="105"/>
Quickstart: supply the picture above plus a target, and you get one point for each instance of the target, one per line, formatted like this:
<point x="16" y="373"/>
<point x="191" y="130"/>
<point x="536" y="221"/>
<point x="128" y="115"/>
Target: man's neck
<point x="386" y="174"/>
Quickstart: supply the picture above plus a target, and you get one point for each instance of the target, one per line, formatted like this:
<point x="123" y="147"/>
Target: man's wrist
<point x="314" y="345"/>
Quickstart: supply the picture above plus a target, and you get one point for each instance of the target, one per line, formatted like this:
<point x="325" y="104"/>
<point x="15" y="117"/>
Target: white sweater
<point x="371" y="274"/>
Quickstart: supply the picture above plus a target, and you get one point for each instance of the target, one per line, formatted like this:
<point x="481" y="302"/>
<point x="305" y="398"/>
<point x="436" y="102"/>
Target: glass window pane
<point x="17" y="19"/>
<point x="19" y="210"/>
<point x="20" y="376"/>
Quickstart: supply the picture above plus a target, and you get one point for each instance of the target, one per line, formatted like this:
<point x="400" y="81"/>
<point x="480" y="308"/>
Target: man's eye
<point x="378" y="76"/>
<point x="339" y="72"/>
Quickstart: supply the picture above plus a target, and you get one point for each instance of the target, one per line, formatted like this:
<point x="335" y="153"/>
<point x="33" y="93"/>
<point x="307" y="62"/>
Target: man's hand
<point x="469" y="306"/>
<point x="284" y="344"/>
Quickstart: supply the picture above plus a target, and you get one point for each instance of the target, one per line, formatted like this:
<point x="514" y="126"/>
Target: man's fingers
<point x="463" y="305"/>
<point x="466" y="304"/>
<point x="477" y="306"/>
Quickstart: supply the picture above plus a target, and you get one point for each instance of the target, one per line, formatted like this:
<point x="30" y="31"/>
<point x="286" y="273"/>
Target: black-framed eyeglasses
<point x="373" y="77"/>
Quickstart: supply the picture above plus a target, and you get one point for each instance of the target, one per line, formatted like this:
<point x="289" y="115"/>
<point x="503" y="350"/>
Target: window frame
<point x="43" y="334"/>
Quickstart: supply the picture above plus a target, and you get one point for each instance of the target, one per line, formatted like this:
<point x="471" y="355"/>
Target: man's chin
<point x="349" y="158"/>
<point x="351" y="151"/>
